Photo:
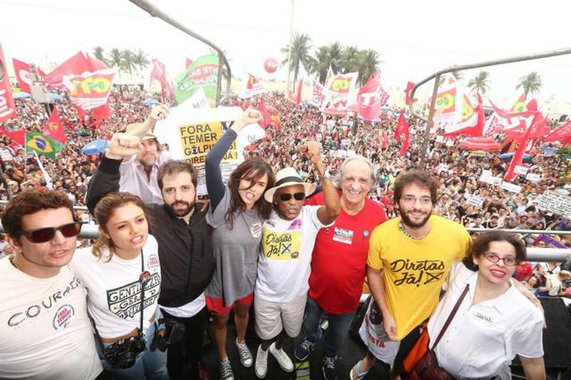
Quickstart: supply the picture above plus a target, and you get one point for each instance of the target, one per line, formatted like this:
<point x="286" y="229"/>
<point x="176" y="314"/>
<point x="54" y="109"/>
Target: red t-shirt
<point x="339" y="258"/>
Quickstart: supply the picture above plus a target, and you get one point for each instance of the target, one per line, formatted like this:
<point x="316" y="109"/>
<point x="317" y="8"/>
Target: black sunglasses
<point x="284" y="197"/>
<point x="42" y="235"/>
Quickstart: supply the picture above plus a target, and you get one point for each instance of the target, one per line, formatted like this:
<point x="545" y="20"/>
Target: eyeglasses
<point x="284" y="197"/>
<point x="411" y="200"/>
<point x="493" y="258"/>
<point x="42" y="235"/>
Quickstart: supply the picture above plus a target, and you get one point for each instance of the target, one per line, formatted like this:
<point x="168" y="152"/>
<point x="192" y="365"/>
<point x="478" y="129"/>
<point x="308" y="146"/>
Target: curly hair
<point x="481" y="244"/>
<point x="420" y="178"/>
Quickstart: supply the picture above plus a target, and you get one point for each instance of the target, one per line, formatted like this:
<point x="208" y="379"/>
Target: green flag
<point x="42" y="144"/>
<point x="202" y="73"/>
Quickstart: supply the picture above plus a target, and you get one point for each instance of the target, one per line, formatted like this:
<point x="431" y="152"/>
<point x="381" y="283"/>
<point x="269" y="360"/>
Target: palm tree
<point x="141" y="59"/>
<point x="98" y="53"/>
<point x="480" y="83"/>
<point x="128" y="61"/>
<point x="115" y="58"/>
<point x="320" y="63"/>
<point x="530" y="83"/>
<point x="335" y="56"/>
<point x="351" y="58"/>
<point x="299" y="55"/>
<point x="368" y="64"/>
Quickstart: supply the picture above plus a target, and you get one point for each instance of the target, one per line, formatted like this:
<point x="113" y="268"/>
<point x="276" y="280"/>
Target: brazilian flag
<point x="42" y="144"/>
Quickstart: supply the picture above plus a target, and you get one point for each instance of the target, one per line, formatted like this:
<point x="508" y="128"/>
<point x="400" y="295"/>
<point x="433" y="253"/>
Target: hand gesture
<point x="123" y="145"/>
<point x="159" y="112"/>
<point x="313" y="151"/>
<point x="249" y="116"/>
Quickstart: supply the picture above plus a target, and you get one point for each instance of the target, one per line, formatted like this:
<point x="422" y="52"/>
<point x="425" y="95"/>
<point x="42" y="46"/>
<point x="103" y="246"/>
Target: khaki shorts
<point x="272" y="317"/>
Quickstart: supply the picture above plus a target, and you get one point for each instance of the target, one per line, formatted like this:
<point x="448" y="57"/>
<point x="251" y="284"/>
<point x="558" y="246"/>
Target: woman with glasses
<point x="495" y="322"/>
<point x="122" y="275"/>
<point x="237" y="212"/>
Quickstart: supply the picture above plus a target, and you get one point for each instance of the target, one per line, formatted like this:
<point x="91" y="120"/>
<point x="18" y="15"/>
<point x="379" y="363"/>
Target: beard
<point x="181" y="211"/>
<point x="410" y="223"/>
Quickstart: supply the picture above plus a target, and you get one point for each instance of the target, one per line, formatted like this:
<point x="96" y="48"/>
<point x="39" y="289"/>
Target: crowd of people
<point x="260" y="243"/>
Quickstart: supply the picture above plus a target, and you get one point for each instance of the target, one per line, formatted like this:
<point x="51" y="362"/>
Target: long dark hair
<point x="256" y="168"/>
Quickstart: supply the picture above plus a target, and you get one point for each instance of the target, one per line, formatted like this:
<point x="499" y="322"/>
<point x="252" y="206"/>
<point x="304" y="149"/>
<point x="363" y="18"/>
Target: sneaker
<point x="329" y="368"/>
<point x="261" y="367"/>
<point x="226" y="370"/>
<point x="283" y="359"/>
<point x="245" y="354"/>
<point x="303" y="350"/>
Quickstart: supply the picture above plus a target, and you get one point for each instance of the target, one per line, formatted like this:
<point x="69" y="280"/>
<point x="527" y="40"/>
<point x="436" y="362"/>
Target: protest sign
<point x="555" y="203"/>
<point x="191" y="135"/>
<point x="474" y="200"/>
<point x="512" y="188"/>
<point x="520" y="170"/>
<point x="533" y="177"/>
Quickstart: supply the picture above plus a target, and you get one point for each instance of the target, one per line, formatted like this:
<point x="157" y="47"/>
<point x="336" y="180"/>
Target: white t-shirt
<point x="114" y="289"/>
<point x="482" y="339"/>
<point x="285" y="257"/>
<point x="45" y="333"/>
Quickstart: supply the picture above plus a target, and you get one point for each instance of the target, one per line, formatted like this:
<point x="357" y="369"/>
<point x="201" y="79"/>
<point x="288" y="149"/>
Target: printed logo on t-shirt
<point x="420" y="272"/>
<point x="343" y="236"/>
<point x="153" y="261"/>
<point x="281" y="245"/>
<point x="125" y="301"/>
<point x="63" y="316"/>
<point x="484" y="318"/>
<point x="256" y="230"/>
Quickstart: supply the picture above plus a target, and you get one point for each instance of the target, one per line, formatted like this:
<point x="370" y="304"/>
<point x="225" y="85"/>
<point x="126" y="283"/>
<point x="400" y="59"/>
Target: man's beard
<point x="180" y="212"/>
<point x="409" y="223"/>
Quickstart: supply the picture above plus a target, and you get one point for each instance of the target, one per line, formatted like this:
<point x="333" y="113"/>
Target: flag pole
<point x="289" y="47"/>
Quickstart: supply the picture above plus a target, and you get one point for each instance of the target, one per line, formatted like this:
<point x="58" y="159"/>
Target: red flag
<point x="77" y="65"/>
<point x="53" y="128"/>
<point x="403" y="130"/>
<point x="384" y="140"/>
<point x="369" y="99"/>
<point x="299" y="88"/>
<point x="18" y="137"/>
<point x="24" y="75"/>
<point x="158" y="73"/>
<point x="267" y="118"/>
<point x="99" y="114"/>
<point x="7" y="106"/>
<point x="80" y="112"/>
<point x="408" y="89"/>
<point x="561" y="134"/>
<point x="472" y="122"/>
<point x="517" y="159"/>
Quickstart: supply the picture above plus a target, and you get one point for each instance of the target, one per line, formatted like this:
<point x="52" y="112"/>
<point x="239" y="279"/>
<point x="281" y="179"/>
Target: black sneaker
<point x="330" y="368"/>
<point x="303" y="350"/>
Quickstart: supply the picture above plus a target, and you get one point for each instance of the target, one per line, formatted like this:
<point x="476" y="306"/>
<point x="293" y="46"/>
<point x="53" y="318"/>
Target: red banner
<point x="7" y="106"/>
<point x="90" y="89"/>
<point x="24" y="75"/>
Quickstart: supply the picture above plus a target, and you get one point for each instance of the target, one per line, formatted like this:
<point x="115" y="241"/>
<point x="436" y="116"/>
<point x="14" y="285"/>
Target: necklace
<point x="407" y="234"/>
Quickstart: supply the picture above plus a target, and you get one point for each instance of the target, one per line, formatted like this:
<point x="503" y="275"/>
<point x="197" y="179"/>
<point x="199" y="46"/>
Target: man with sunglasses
<point x="288" y="238"/>
<point x="46" y="333"/>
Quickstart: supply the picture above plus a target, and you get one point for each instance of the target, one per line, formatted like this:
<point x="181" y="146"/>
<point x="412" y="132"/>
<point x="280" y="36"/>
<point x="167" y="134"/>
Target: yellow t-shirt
<point x="414" y="270"/>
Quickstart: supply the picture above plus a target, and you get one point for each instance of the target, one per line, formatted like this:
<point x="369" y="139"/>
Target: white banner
<point x="533" y="177"/>
<point x="474" y="200"/>
<point x="520" y="170"/>
<point x="510" y="187"/>
<point x="555" y="203"/>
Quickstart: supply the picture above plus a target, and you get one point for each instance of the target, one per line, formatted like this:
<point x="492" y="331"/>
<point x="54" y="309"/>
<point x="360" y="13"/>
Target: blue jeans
<point x="149" y="364"/>
<point x="336" y="332"/>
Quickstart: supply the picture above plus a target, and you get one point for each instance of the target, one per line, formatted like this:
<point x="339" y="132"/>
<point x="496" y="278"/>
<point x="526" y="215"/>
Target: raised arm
<point x="214" y="184"/>
<point x="327" y="213"/>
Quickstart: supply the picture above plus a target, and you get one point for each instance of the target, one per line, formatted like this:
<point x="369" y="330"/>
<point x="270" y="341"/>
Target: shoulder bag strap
<point x="451" y="316"/>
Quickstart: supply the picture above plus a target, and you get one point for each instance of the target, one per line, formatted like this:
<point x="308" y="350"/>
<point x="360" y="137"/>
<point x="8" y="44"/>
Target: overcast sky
<point x="414" y="38"/>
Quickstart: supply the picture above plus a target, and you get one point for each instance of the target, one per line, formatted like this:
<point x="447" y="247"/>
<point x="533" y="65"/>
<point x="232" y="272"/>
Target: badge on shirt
<point x="256" y="230"/>
<point x="343" y="236"/>
<point x="63" y="316"/>
<point x="153" y="261"/>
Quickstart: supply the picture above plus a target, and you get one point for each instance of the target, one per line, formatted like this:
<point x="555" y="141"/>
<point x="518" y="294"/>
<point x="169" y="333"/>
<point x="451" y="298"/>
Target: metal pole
<point x="289" y="47"/>
<point x="156" y="12"/>
<point x="529" y="57"/>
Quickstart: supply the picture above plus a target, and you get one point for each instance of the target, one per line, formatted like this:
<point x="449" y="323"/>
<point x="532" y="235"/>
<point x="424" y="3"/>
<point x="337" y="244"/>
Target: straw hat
<point x="288" y="177"/>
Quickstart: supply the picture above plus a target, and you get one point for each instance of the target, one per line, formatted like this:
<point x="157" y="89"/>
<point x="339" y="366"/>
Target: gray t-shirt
<point x="235" y="252"/>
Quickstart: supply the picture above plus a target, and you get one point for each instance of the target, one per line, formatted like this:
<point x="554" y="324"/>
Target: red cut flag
<point x="369" y="99"/>
<point x="403" y="130"/>
<point x="158" y="73"/>
<point x="53" y="129"/>
<point x="99" y="114"/>
<point x="517" y="159"/>
<point x="267" y="118"/>
<point x="76" y="65"/>
<point x="7" y="106"/>
<point x="18" y="137"/>
<point x="519" y="105"/>
<point x="408" y="89"/>
<point x="24" y="75"/>
<point x="561" y="134"/>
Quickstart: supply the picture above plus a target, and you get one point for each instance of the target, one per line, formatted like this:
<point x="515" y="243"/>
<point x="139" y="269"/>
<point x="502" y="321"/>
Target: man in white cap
<point x="139" y="172"/>
<point x="288" y="238"/>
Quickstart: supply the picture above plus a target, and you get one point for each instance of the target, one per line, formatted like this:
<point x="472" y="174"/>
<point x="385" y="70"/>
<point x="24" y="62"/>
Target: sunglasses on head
<point x="42" y="235"/>
<point x="284" y="197"/>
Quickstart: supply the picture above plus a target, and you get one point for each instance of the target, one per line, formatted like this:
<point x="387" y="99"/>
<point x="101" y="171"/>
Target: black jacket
<point x="185" y="250"/>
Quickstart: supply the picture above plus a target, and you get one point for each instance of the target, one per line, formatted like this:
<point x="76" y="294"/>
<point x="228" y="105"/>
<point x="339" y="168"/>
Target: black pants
<point x="188" y="352"/>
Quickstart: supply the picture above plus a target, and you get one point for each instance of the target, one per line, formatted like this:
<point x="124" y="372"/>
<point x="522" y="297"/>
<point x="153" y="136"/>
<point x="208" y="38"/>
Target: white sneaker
<point x="283" y="359"/>
<point x="261" y="367"/>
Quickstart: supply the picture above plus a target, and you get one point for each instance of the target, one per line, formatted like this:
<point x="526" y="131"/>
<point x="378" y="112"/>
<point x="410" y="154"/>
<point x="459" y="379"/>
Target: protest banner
<point x="533" y="177"/>
<point x="202" y="73"/>
<point x="7" y="106"/>
<point x="191" y="135"/>
<point x="474" y="200"/>
<point x="520" y="170"/>
<point x="90" y="89"/>
<point x="555" y="203"/>
<point x="487" y="177"/>
<point x="512" y="188"/>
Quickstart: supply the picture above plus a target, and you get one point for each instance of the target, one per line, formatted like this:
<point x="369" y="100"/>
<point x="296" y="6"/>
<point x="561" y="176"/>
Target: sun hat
<point x="147" y="136"/>
<point x="288" y="177"/>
